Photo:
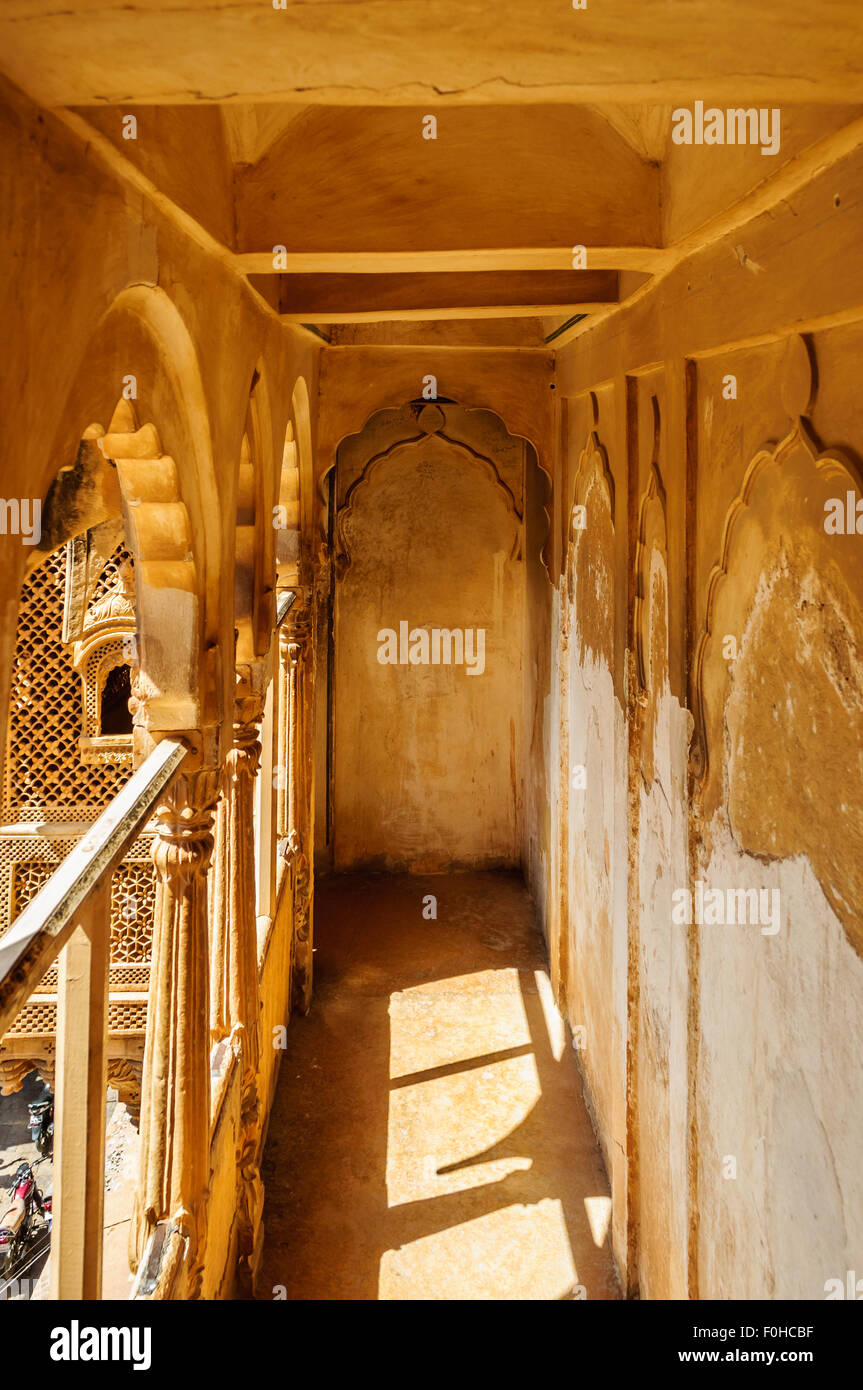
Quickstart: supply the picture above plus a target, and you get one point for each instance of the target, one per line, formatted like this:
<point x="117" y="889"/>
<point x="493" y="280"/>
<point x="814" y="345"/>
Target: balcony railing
<point x="70" y="914"/>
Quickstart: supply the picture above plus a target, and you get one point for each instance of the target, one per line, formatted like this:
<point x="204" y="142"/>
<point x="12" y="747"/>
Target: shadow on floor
<point x="429" y="1139"/>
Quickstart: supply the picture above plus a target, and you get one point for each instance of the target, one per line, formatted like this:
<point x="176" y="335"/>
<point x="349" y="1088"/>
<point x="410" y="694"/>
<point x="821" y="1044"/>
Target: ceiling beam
<point x="784" y="185"/>
<point x="473" y="259"/>
<point x="468" y="311"/>
<point x="362" y="298"/>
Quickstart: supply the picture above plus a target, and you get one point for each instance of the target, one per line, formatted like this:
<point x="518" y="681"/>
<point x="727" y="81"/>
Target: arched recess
<point x="353" y="394"/>
<point x="585" y="665"/>
<point x="650" y="618"/>
<point x="650" y="604"/>
<point x="304" y="458"/>
<point x="589" y="561"/>
<point x="255" y="543"/>
<point x="296" y="491"/>
<point x="651" y="612"/>
<point x="394" y="428"/>
<point x="786" y="596"/>
<point x="428" y="528"/>
<point x="152" y="465"/>
<point x="431" y="423"/>
<point x="289" y="532"/>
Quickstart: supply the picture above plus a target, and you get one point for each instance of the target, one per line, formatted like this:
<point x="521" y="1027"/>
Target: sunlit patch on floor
<point x="517" y="1252"/>
<point x="599" y="1217"/>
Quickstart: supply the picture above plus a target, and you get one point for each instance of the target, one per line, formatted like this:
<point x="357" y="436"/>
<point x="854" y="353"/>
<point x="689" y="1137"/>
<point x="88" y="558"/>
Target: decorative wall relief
<point x="651" y="604"/>
<point x="427" y="422"/>
<point x="787" y="595"/>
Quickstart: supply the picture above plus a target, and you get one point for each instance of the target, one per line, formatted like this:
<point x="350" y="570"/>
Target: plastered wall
<point x="696" y="696"/>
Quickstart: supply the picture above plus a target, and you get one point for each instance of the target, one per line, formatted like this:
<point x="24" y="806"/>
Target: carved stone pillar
<point x="297" y="673"/>
<point x="286" y="817"/>
<point x="218" y="912"/>
<point x="234" y="996"/>
<point x="242" y="956"/>
<point x="175" y="1093"/>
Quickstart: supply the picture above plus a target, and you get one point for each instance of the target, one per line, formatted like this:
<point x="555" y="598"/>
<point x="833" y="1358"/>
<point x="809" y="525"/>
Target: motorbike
<point x="41" y="1121"/>
<point x="19" y="1226"/>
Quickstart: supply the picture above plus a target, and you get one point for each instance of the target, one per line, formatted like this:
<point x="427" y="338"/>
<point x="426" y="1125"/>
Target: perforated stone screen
<point x="47" y="783"/>
<point x="45" y="777"/>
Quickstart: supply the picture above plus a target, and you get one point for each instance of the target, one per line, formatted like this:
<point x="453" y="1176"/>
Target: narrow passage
<point x="429" y="1139"/>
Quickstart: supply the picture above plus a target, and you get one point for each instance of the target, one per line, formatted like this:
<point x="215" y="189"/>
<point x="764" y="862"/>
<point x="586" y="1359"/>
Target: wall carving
<point x="650" y="619"/>
<point x="430" y="423"/>
<point x="777" y="768"/>
<point x="589" y="568"/>
<point x="588" y="752"/>
<point x="429" y="531"/>
<point x="159" y="533"/>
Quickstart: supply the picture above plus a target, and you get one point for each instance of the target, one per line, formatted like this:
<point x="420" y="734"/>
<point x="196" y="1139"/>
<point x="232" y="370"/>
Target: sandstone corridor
<point x="431" y="647"/>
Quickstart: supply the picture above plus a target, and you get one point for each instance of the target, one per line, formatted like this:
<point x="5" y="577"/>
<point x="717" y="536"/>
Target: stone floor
<point x="429" y="1139"/>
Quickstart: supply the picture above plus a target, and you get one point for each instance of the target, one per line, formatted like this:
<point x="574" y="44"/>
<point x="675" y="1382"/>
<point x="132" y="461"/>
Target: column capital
<point x="184" y="818"/>
<point x="299" y="623"/>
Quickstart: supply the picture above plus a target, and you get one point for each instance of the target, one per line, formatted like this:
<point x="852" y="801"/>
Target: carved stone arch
<point x="593" y="480"/>
<point x="832" y="465"/>
<point x="158" y="533"/>
<point x="304" y="459"/>
<point x="153" y="466"/>
<point x="255" y="543"/>
<point x="288" y="541"/>
<point x="593" y="464"/>
<point x="406" y="426"/>
<point x="295" y="512"/>
<point x="791" y="596"/>
<point x="355" y="399"/>
<point x="342" y="556"/>
<point x="650" y="622"/>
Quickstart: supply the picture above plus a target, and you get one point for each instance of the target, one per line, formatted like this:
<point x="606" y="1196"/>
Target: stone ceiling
<point x="553" y="131"/>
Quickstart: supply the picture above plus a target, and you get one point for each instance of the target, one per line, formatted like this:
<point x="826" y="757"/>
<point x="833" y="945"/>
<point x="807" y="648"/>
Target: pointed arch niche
<point x="427" y="529"/>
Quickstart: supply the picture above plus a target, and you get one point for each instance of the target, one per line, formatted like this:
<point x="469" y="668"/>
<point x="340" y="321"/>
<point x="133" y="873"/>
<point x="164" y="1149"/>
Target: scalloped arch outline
<point x="832" y="462"/>
<point x="342" y="557"/>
